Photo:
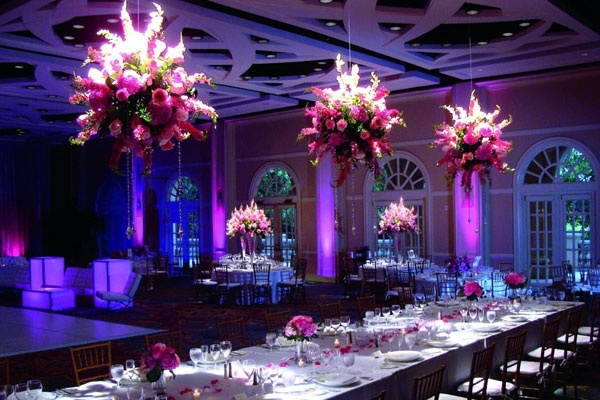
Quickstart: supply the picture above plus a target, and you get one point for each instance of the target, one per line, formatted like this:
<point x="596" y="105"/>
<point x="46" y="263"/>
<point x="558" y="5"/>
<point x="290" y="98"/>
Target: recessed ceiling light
<point x="325" y="1"/>
<point x="247" y="77"/>
<point x="19" y="66"/>
<point x="507" y="34"/>
<point x="52" y="96"/>
<point x="330" y="23"/>
<point x="317" y="69"/>
<point x="447" y="45"/>
<point x="472" y="12"/>
<point x="321" y="62"/>
<point x="68" y="37"/>
<point x="112" y="20"/>
<point x="584" y="54"/>
<point x="263" y="41"/>
<point x="50" y="122"/>
<point x="80" y="45"/>
<point x="31" y="87"/>
<point x="482" y="43"/>
<point x="271" y="55"/>
<point x="415" y="44"/>
<point x="197" y="37"/>
<point x="302" y="76"/>
<point x="524" y="24"/>
<point x="274" y="78"/>
<point x="395" y="28"/>
<point x="78" y="26"/>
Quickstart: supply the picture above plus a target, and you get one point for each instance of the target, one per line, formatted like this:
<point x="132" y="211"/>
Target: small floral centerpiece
<point x="158" y="358"/>
<point x="248" y="220"/>
<point x="459" y="265"/>
<point x="398" y="218"/>
<point x="142" y="96"/>
<point x="352" y="123"/>
<point x="471" y="290"/>
<point x="515" y="280"/>
<point x="472" y="143"/>
<point x="300" y="329"/>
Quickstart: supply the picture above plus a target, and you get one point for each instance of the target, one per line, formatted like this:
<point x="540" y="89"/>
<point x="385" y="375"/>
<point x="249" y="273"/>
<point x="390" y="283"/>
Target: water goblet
<point x="378" y="313"/>
<point x="326" y="356"/>
<point x="34" y="388"/>
<point x="195" y="355"/>
<point x="130" y="368"/>
<point x="335" y="325"/>
<point x="516" y="305"/>
<point x="491" y="316"/>
<point x="480" y="314"/>
<point x="327" y="327"/>
<point x="369" y="316"/>
<point x="116" y="372"/>
<point x="409" y="308"/>
<point x="270" y="339"/>
<point x="226" y="348"/>
<point x="215" y="351"/>
<point x="410" y="339"/>
<point x="345" y="322"/>
<point x="348" y="360"/>
<point x="561" y="295"/>
<point x="385" y="312"/>
<point x="473" y="312"/>
<point x="395" y="310"/>
<point x="20" y="391"/>
<point x="288" y="378"/>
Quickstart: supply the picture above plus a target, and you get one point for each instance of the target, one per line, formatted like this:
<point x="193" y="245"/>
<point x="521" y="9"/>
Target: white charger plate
<point x="403" y="356"/>
<point x="336" y="379"/>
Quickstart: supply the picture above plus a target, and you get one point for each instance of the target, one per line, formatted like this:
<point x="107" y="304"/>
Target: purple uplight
<point x="325" y="220"/>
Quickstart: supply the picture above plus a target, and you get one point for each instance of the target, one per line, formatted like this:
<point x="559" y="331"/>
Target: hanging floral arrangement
<point x="472" y="143"/>
<point x="398" y="218"/>
<point x="352" y="123"/>
<point x="141" y="95"/>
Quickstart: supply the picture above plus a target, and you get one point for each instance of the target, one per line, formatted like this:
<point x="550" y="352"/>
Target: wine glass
<point x="385" y="312"/>
<point x="345" y="322"/>
<point x="326" y="356"/>
<point x="473" y="312"/>
<point x="491" y="316"/>
<point x="516" y="305"/>
<point x="116" y="371"/>
<point x="195" y="355"/>
<point x="6" y="391"/>
<point x="410" y="339"/>
<point x="348" y="360"/>
<point x="34" y="388"/>
<point x="561" y="295"/>
<point x="480" y="314"/>
<point x="395" y="310"/>
<point x="226" y="348"/>
<point x="464" y="310"/>
<point x="248" y="366"/>
<point x="130" y="368"/>
<point x="378" y="313"/>
<point x="369" y="315"/>
<point x="270" y="340"/>
<point x="21" y="391"/>
<point x="215" y="351"/>
<point x="205" y="351"/>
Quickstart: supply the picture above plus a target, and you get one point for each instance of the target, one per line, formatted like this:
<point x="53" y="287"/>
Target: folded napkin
<point x="337" y="379"/>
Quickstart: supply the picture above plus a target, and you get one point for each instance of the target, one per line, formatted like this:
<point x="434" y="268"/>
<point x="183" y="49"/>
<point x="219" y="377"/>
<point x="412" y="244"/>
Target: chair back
<point x="233" y="330"/>
<point x="262" y="274"/>
<point x="549" y="340"/>
<point x="91" y="362"/>
<point x="447" y="284"/>
<point x="300" y="270"/>
<point x="506" y="267"/>
<point x="499" y="288"/>
<point x="406" y="277"/>
<point x="428" y="386"/>
<point x="406" y="296"/>
<point x="222" y="274"/>
<point x="4" y="371"/>
<point x="513" y="355"/>
<point x="277" y="320"/>
<point x="132" y="284"/>
<point x="571" y="331"/>
<point x="379" y="396"/>
<point x="364" y="304"/>
<point x="330" y="310"/>
<point x="481" y="366"/>
<point x="173" y="339"/>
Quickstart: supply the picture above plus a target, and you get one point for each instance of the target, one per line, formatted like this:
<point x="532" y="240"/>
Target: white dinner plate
<point x="514" y="318"/>
<point x="442" y="343"/>
<point x="403" y="356"/>
<point x="543" y="307"/>
<point x="486" y="328"/>
<point x="432" y="351"/>
<point x="336" y="379"/>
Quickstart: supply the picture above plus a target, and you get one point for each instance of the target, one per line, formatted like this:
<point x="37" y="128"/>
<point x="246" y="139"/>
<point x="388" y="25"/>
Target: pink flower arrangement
<point x="472" y="143"/>
<point x="249" y="220"/>
<point x="300" y="327"/>
<point x="398" y="218"/>
<point x="514" y="280"/>
<point x="352" y="123"/>
<point x="141" y="96"/>
<point x="156" y="359"/>
<point x="471" y="290"/>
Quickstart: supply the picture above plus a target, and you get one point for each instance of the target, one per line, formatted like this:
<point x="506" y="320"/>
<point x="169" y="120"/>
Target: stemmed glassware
<point x="491" y="316"/>
<point x="205" y="351"/>
<point x="34" y="388"/>
<point x="248" y="366"/>
<point x="516" y="306"/>
<point x="345" y="322"/>
<point x="130" y="369"/>
<point x="410" y="339"/>
<point x="480" y="314"/>
<point x="335" y="325"/>
<point x="270" y="339"/>
<point x="226" y="348"/>
<point x="385" y="312"/>
<point x="215" y="351"/>
<point x="473" y="312"/>
<point x="464" y="310"/>
<point x="195" y="355"/>
<point x="348" y="360"/>
<point x="116" y="372"/>
<point x="395" y="310"/>
<point x="21" y="391"/>
<point x="561" y="295"/>
<point x="326" y="356"/>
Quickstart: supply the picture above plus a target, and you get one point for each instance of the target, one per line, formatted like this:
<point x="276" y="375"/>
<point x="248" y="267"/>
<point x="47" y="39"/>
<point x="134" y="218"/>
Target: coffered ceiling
<point x="264" y="54"/>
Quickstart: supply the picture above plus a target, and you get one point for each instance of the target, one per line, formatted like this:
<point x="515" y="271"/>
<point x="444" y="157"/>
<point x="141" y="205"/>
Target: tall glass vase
<point x="395" y="243"/>
<point x="252" y="240"/>
<point x="300" y="354"/>
<point x="243" y="244"/>
<point x="159" y="387"/>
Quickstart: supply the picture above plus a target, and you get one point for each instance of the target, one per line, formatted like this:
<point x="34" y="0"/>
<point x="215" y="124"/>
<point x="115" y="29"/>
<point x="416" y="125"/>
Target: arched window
<point x="275" y="192"/>
<point x="183" y="203"/>
<point x="556" y="196"/>
<point x="401" y="176"/>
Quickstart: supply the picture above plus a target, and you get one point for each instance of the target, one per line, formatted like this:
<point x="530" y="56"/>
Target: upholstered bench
<point x="49" y="298"/>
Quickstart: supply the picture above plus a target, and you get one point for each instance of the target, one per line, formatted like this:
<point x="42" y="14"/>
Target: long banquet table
<point x="373" y="371"/>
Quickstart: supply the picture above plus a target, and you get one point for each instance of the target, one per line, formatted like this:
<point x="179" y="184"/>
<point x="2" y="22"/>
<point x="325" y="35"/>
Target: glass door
<point x="281" y="244"/>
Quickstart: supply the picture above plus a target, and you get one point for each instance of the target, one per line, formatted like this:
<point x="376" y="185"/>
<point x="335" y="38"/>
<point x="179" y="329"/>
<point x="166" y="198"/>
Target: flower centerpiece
<point x="142" y="96"/>
<point x="398" y="218"/>
<point x="300" y="328"/>
<point x="515" y="280"/>
<point x="472" y="143"/>
<point x="248" y="222"/>
<point x="155" y="361"/>
<point x="471" y="290"/>
<point x="460" y="265"/>
<point x="352" y="123"/>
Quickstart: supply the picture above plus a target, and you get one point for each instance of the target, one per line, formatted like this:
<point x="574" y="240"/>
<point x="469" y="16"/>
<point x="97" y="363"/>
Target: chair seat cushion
<point x="205" y="282"/>
<point x="494" y="387"/>
<point x="581" y="339"/>
<point x="464" y="387"/>
<point x="587" y="330"/>
<point x="530" y="367"/>
<point x="111" y="296"/>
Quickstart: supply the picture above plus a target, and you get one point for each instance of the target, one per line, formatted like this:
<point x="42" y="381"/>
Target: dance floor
<point x="27" y="331"/>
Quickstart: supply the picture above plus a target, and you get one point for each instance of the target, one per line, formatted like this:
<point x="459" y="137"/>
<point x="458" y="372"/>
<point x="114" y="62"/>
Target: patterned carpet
<point x="171" y="306"/>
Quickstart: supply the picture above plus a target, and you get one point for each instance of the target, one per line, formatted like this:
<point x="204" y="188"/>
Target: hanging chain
<point x="130" y="194"/>
<point x="179" y="191"/>
<point x="352" y="205"/>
